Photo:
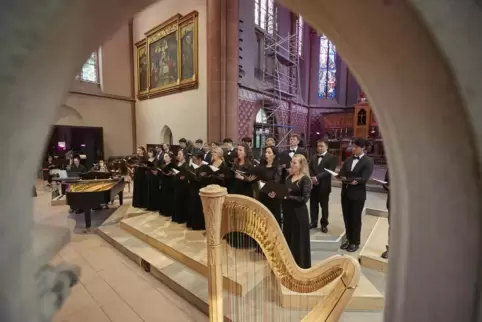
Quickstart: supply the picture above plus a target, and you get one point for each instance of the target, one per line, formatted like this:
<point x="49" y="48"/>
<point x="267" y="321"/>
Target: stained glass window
<point x="90" y="69"/>
<point x="264" y="15"/>
<point x="327" y="73"/>
<point x="300" y="35"/>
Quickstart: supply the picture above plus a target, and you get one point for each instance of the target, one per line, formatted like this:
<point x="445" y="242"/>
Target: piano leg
<point x="121" y="198"/>
<point x="87" y="216"/>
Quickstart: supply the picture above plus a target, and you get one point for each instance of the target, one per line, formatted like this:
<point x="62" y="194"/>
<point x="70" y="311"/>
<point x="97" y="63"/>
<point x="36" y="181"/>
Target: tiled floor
<point x="113" y="288"/>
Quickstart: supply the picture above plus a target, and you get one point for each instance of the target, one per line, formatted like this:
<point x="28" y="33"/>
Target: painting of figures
<point x="187" y="51"/>
<point x="142" y="66"/>
<point x="163" y="61"/>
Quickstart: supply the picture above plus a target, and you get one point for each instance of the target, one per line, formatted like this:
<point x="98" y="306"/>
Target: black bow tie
<point x="292" y="151"/>
<point x="356" y="158"/>
<point x="320" y="156"/>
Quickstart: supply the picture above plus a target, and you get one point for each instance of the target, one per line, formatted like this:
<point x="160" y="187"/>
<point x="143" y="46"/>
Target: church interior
<point x="126" y="225"/>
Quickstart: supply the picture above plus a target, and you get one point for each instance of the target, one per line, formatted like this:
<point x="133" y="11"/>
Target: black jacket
<point x="386" y="187"/>
<point x="318" y="170"/>
<point x="361" y="173"/>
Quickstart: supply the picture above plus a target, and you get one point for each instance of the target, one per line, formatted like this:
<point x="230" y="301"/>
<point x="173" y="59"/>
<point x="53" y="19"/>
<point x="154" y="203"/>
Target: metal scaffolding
<point x="281" y="81"/>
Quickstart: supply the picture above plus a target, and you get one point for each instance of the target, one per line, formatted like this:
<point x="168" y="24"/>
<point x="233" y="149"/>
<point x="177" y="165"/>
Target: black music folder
<point x="279" y="189"/>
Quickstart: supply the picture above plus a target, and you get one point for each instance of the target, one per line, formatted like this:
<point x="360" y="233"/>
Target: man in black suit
<point x="320" y="194"/>
<point x="198" y="145"/>
<point x="183" y="145"/>
<point x="229" y="151"/>
<point x="387" y="188"/>
<point x="285" y="156"/>
<point x="207" y="156"/>
<point x="354" y="173"/>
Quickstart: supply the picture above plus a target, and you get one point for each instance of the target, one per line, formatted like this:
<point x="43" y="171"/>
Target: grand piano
<point x="90" y="194"/>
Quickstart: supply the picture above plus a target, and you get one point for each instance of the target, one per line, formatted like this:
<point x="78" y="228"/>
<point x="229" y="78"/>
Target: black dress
<point x="140" y="193"/>
<point x="166" y="192"/>
<point x="296" y="223"/>
<point x="181" y="196"/>
<point x="153" y="200"/>
<point x="245" y="188"/>
<point x="195" y="218"/>
<point x="273" y="204"/>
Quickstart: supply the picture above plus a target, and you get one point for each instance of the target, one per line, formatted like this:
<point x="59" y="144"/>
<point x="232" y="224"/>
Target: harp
<point x="234" y="214"/>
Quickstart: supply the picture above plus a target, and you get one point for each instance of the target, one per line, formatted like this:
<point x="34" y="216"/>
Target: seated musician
<point x="101" y="167"/>
<point x="76" y="166"/>
<point x="46" y="167"/>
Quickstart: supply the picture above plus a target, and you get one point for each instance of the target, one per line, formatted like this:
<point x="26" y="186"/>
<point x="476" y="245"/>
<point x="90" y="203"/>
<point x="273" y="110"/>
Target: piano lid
<point x="91" y="186"/>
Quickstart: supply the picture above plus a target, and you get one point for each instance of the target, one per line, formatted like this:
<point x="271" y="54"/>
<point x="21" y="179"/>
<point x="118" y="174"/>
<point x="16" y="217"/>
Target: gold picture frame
<point x="170" y="53"/>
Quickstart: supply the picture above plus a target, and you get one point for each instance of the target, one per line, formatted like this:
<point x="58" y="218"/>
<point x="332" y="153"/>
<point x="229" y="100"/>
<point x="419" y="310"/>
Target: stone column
<point x="222" y="68"/>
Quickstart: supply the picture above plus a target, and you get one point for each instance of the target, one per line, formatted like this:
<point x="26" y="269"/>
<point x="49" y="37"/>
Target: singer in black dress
<point x="242" y="184"/>
<point x="195" y="218"/>
<point x="296" y="225"/>
<point x="181" y="190"/>
<point x="140" y="193"/>
<point x="167" y="187"/>
<point x="152" y="182"/>
<point x="223" y="176"/>
<point x="271" y="172"/>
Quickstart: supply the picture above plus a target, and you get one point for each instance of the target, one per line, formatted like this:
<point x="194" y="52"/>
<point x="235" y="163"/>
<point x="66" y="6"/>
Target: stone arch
<point x="69" y="115"/>
<point x="415" y="92"/>
<point x="166" y="135"/>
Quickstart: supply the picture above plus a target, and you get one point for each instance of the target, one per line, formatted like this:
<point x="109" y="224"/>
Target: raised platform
<point x="375" y="246"/>
<point x="189" y="248"/>
<point x="177" y="257"/>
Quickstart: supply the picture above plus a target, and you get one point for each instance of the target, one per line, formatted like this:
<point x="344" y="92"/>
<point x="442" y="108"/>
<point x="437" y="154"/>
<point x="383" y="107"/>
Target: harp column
<point x="212" y="198"/>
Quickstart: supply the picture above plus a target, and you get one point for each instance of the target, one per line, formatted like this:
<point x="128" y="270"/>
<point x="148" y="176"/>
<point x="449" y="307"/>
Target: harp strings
<point x="255" y="293"/>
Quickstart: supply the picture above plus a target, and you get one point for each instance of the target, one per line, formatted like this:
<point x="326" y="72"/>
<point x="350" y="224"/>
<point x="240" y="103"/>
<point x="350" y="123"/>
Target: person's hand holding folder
<point x="275" y="190"/>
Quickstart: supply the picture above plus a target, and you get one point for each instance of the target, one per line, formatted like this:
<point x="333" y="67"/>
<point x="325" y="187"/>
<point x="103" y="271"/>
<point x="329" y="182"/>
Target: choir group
<point x="283" y="181"/>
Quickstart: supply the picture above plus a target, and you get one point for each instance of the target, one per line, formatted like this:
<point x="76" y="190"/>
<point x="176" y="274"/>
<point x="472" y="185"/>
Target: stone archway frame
<point x="165" y="129"/>
<point x="436" y="238"/>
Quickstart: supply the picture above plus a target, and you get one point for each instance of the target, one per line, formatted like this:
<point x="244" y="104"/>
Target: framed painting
<point x="142" y="68"/>
<point x="163" y="49"/>
<point x="188" y="35"/>
<point x="167" y="59"/>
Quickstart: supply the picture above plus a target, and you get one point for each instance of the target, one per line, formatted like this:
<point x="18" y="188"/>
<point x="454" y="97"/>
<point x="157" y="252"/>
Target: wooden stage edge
<point x="178" y="274"/>
<point x="370" y="255"/>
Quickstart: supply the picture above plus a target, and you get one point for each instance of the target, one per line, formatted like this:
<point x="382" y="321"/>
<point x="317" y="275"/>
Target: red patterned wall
<point x="249" y="105"/>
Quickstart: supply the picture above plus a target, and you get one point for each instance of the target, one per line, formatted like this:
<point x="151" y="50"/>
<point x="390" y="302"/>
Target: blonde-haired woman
<point x="222" y="176"/>
<point x="296" y="226"/>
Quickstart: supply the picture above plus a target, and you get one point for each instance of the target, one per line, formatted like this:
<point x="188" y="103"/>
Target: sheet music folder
<point x="279" y="189"/>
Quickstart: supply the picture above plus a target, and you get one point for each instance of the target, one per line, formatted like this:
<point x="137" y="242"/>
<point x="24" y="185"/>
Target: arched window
<point x="263" y="127"/>
<point x="299" y="26"/>
<point x="264" y="15"/>
<point x="327" y="72"/>
<point x="90" y="69"/>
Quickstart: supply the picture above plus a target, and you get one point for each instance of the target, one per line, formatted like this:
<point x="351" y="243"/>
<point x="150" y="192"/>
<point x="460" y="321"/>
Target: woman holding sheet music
<point x="167" y="187"/>
<point x="242" y="184"/>
<point x="271" y="172"/>
<point x="195" y="218"/>
<point x="296" y="226"/>
<point x="181" y="189"/>
<point x="222" y="174"/>
<point x="152" y="182"/>
<point x="140" y="193"/>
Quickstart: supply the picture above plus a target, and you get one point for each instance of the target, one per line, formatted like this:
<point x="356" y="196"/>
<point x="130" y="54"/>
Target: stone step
<point x="375" y="246"/>
<point x="143" y="242"/>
